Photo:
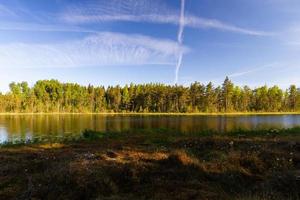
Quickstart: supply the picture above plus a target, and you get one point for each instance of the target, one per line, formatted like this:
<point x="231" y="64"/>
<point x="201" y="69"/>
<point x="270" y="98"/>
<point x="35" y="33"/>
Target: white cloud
<point x="143" y="11"/>
<point x="97" y="11"/>
<point x="103" y="49"/>
<point x="14" y="26"/>
<point x="196" y="22"/>
<point x="118" y="10"/>
<point x="253" y="70"/>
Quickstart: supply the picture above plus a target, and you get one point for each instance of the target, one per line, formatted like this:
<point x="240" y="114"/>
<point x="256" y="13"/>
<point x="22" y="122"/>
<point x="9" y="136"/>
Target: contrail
<point x="180" y="39"/>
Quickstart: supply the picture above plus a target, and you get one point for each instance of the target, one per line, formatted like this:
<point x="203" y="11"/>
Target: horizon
<point x="119" y="42"/>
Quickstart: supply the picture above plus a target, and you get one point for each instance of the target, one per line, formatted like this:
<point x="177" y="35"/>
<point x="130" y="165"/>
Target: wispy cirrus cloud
<point x="197" y="22"/>
<point x="40" y="27"/>
<point x="102" y="49"/>
<point x="117" y="10"/>
<point x="144" y="11"/>
<point x="254" y="70"/>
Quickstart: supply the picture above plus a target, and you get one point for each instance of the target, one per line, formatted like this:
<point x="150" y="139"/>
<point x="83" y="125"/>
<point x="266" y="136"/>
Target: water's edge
<point x="138" y="113"/>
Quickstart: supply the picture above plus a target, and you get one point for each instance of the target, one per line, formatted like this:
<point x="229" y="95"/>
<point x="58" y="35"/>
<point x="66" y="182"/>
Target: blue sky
<point x="103" y="42"/>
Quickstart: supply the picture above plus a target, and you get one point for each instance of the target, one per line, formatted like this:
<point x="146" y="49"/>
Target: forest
<point x="54" y="96"/>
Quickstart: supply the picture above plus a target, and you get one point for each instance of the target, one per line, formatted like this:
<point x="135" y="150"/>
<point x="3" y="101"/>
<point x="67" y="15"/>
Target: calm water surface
<point x="26" y="127"/>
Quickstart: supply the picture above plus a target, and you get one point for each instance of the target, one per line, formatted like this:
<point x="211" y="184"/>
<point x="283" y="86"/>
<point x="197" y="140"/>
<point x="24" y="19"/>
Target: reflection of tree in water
<point x="29" y="126"/>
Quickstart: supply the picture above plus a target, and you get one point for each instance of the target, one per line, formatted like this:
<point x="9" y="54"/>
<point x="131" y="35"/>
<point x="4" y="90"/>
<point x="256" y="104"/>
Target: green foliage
<point x="227" y="94"/>
<point x="54" y="96"/>
<point x="91" y="135"/>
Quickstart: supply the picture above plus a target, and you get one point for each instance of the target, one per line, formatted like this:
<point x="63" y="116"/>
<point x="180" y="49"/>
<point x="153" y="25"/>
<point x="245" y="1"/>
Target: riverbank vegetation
<point x="155" y="164"/>
<point x="153" y="134"/>
<point x="53" y="96"/>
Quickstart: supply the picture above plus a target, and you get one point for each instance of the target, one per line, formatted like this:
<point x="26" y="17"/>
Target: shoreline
<point x="92" y="135"/>
<point x="157" y="114"/>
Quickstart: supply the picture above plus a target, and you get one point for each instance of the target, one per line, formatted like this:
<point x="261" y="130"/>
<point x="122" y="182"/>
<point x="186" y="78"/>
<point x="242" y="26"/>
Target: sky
<point x="110" y="42"/>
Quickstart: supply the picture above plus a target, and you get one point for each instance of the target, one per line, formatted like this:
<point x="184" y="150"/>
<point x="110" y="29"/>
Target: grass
<point x="154" y="135"/>
<point x="155" y="164"/>
<point x="164" y="133"/>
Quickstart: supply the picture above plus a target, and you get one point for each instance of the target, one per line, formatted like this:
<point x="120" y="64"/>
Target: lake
<point x="26" y="127"/>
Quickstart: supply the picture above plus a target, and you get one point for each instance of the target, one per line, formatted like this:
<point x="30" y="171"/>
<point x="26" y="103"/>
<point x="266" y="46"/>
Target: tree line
<point x="54" y="96"/>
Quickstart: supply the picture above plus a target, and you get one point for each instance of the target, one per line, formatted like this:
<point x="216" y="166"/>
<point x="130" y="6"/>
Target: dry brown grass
<point x="189" y="168"/>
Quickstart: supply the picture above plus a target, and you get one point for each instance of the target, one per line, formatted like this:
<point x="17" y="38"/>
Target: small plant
<point x="94" y="135"/>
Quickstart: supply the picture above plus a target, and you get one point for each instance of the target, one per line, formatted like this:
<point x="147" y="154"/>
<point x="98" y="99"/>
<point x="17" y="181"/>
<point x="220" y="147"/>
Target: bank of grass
<point x="163" y="132"/>
<point x="155" y="135"/>
<point x="155" y="164"/>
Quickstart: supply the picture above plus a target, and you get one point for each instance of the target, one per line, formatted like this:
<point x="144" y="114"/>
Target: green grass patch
<point x="157" y="136"/>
